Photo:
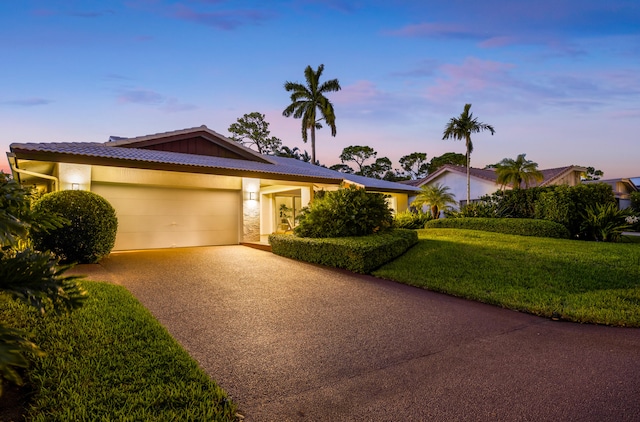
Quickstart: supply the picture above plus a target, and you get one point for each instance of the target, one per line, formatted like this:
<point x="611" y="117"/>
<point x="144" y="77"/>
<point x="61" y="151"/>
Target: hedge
<point x="361" y="254"/>
<point x="519" y="226"/>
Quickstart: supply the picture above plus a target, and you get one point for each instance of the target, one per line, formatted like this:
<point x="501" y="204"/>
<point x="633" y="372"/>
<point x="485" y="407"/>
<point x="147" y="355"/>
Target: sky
<point x="559" y="80"/>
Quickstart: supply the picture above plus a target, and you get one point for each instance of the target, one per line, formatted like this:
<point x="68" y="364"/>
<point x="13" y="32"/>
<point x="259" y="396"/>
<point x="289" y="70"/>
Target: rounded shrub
<point x="349" y="211"/>
<point x="519" y="226"/>
<point x="91" y="233"/>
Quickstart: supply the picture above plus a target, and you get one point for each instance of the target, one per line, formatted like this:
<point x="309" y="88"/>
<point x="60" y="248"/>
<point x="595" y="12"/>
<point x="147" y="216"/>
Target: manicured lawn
<point x="590" y="282"/>
<point x="111" y="360"/>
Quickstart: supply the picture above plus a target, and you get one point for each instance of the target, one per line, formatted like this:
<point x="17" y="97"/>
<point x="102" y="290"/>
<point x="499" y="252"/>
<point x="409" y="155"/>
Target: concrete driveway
<point x="291" y="341"/>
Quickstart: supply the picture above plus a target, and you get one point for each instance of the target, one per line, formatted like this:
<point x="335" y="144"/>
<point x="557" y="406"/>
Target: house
<point x="622" y="189"/>
<point x="189" y="187"/>
<point x="484" y="181"/>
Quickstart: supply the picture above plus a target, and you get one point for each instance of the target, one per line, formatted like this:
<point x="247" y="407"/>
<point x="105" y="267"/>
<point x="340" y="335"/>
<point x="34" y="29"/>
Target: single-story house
<point x="484" y="181"/>
<point x="622" y="189"/>
<point x="190" y="187"/>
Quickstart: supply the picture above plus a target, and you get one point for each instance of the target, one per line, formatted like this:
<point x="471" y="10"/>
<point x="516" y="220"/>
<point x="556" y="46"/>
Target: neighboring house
<point x="190" y="187"/>
<point x="622" y="189"/>
<point x="484" y="181"/>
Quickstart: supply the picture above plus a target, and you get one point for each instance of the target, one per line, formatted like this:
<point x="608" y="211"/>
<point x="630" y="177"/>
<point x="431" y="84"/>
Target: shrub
<point x="635" y="201"/>
<point x="349" y="211"/>
<point x="92" y="232"/>
<point x="519" y="226"/>
<point x="411" y="220"/>
<point x="360" y="254"/>
<point x="604" y="222"/>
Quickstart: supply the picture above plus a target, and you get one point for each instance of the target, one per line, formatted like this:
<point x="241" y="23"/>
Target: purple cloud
<point x="152" y="98"/>
<point x="92" y="14"/>
<point x="226" y="19"/>
<point x="28" y="102"/>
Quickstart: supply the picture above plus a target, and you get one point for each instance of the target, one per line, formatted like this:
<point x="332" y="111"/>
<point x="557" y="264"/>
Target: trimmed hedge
<point x="519" y="226"/>
<point x="361" y="254"/>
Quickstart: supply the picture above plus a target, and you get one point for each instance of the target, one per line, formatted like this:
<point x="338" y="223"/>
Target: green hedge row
<point x="519" y="226"/>
<point x="361" y="254"/>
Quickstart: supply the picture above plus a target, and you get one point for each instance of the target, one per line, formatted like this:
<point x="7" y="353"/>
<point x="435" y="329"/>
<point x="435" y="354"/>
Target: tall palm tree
<point x="437" y="196"/>
<point x="460" y="128"/>
<point x="518" y="171"/>
<point x="307" y="100"/>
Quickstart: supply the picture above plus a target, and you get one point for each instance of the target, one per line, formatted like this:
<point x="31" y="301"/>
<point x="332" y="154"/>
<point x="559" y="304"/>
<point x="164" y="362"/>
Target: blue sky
<point x="558" y="79"/>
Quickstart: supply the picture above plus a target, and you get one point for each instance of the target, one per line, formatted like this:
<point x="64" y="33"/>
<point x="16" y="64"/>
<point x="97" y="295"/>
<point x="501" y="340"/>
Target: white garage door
<point x="151" y="217"/>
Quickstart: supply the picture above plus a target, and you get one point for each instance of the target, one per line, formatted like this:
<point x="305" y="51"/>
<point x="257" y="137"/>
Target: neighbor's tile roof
<point x="282" y="166"/>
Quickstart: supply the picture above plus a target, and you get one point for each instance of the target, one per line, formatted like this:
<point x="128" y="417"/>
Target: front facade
<point x="191" y="187"/>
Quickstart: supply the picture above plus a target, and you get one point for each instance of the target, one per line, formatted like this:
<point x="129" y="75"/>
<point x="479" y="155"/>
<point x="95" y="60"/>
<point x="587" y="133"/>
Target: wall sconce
<point x="75" y="186"/>
<point x="252" y="196"/>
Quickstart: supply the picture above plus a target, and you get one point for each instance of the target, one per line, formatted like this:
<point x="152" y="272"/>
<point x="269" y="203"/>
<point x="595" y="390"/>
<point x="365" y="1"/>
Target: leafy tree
<point x="379" y="169"/>
<point x="437" y="196"/>
<point x="446" y="158"/>
<point x="415" y="164"/>
<point x="252" y="130"/>
<point x="358" y="154"/>
<point x="29" y="276"/>
<point x="518" y="171"/>
<point x="460" y="128"/>
<point x="293" y="153"/>
<point x="307" y="100"/>
<point x="592" y="174"/>
<point x="342" y="168"/>
<point x="635" y="201"/>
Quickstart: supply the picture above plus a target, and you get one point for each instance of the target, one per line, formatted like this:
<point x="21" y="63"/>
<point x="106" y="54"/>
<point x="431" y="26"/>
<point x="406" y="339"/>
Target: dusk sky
<point x="559" y="80"/>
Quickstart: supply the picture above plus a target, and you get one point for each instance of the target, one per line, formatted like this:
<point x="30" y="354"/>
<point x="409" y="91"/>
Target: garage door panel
<point x="151" y="217"/>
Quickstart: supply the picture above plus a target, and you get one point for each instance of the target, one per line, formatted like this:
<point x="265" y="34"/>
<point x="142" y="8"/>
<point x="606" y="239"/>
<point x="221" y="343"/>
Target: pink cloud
<point x="428" y="29"/>
<point x="357" y="93"/>
<point x="472" y="75"/>
<point x="223" y="19"/>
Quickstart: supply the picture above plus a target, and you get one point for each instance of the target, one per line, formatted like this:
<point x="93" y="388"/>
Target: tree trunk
<point x="435" y="212"/>
<point x="468" y="177"/>
<point x="313" y="143"/>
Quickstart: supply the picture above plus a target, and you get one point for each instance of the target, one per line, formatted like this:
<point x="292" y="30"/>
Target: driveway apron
<point x="291" y="341"/>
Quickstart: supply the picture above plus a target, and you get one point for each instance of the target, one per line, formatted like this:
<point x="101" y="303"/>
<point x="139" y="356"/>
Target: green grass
<point x="111" y="360"/>
<point x="590" y="282"/>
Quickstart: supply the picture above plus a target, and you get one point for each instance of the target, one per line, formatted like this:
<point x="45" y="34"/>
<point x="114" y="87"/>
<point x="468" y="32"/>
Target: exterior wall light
<point x="75" y="186"/>
<point x="252" y="196"/>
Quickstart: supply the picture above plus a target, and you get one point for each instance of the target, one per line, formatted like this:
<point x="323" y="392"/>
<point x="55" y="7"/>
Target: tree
<point x="342" y="168"/>
<point x="358" y="154"/>
<point x="460" y="128"/>
<point x="415" y="164"/>
<point x="293" y="153"/>
<point x="446" y="158"/>
<point x="436" y="196"/>
<point x="252" y="130"/>
<point x="518" y="171"/>
<point x="30" y="276"/>
<point x="307" y="100"/>
<point x="377" y="170"/>
<point x="592" y="174"/>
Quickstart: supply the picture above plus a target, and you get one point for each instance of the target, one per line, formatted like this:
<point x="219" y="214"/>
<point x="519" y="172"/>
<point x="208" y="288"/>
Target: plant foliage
<point x="91" y="234"/>
<point x="360" y="254"/>
<point x="411" y="219"/>
<point x="348" y="211"/>
<point x="604" y="222"/>
<point x="519" y="226"/>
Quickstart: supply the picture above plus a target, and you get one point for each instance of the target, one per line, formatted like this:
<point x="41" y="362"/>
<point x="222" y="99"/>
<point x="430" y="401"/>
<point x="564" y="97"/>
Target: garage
<point x="160" y="217"/>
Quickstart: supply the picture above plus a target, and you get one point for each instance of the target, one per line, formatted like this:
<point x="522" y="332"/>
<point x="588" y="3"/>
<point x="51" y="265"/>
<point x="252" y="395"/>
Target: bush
<point x="349" y="211"/>
<point x="92" y="232"/>
<point x="358" y="254"/>
<point x="604" y="222"/>
<point x="519" y="226"/>
<point x="411" y="220"/>
<point x="635" y="201"/>
<point x="565" y="204"/>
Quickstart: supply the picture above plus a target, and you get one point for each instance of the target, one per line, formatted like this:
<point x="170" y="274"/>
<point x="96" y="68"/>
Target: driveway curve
<point x="291" y="341"/>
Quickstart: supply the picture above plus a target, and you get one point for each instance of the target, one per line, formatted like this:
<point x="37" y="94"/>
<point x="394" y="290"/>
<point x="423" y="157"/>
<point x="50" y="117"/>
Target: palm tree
<point x="515" y="172"/>
<point x="436" y="196"/>
<point x="307" y="99"/>
<point x="460" y="128"/>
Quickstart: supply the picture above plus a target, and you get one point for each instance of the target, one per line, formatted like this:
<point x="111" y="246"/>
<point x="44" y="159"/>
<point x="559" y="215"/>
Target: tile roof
<point x="281" y="166"/>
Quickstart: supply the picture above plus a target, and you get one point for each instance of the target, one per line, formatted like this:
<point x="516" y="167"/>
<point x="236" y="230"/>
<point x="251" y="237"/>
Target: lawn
<point x="589" y="282"/>
<point x="111" y="360"/>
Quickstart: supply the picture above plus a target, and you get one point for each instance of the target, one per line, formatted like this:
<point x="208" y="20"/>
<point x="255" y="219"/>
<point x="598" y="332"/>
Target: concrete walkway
<point x="296" y="342"/>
